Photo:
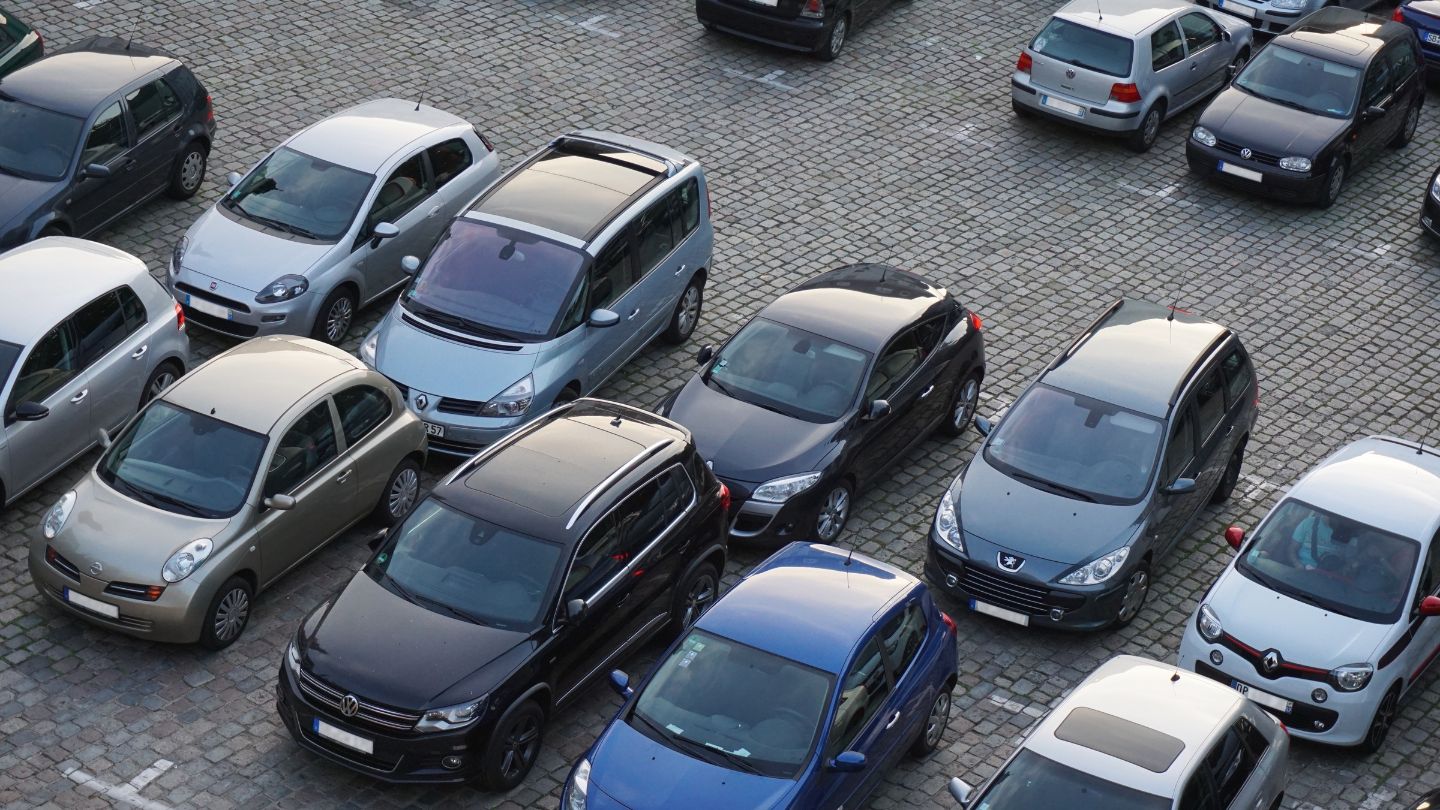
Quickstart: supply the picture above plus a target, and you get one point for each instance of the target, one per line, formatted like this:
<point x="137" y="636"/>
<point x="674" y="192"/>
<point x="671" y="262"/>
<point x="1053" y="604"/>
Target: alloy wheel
<point x="231" y="614"/>
<point x="966" y="403"/>
<point x="1152" y="126"/>
<point x="837" y="35"/>
<point x="833" y="514"/>
<point x="1135" y="592"/>
<point x="699" y="599"/>
<point x="337" y="320"/>
<point x="1380" y="725"/>
<point x="1337" y="181"/>
<point x="689" y="310"/>
<point x="192" y="170"/>
<point x="162" y="380"/>
<point x="403" y="491"/>
<point x="520" y="747"/>
<point x="938" y="720"/>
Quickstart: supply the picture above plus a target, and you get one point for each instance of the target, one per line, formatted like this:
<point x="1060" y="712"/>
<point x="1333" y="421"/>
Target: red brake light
<point x="975" y="322"/>
<point x="724" y="497"/>
<point x="813" y="8"/>
<point x="1397" y="16"/>
<point x="179" y="317"/>
<point x="209" y="110"/>
<point x="1023" y="63"/>
<point x="1124" y="93"/>
<point x="950" y="623"/>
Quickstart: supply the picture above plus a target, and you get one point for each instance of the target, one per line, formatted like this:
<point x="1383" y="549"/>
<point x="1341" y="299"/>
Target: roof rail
<point x="610" y="479"/>
<point x="671" y="167"/>
<point x="1084" y="336"/>
<point x="467" y="467"/>
<point x="1210" y="351"/>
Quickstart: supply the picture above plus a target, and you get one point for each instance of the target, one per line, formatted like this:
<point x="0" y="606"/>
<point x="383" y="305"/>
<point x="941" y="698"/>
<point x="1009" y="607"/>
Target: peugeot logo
<point x="1246" y="153"/>
<point x="96" y="568"/>
<point x="1069" y="74"/>
<point x="1270" y="661"/>
<point x="422" y="402"/>
<point x="212" y="285"/>
<point x="1009" y="562"/>
<point x="349" y="705"/>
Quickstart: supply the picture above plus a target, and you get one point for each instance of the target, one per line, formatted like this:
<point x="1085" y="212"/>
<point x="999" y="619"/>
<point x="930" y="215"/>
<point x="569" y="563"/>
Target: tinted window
<point x="99" y="326"/>
<point x="862" y="693"/>
<point x="1030" y="780"/>
<point x="107" y="137"/>
<point x="600" y="557"/>
<point x="612" y="274"/>
<point x="448" y="160"/>
<point x="1291" y="78"/>
<point x="1166" y="47"/>
<point x="790" y="370"/>
<point x="1200" y="31"/>
<point x="1429" y="575"/>
<point x="1402" y="62"/>
<point x="689" y="204"/>
<point x="9" y="353"/>
<point x="664" y="500"/>
<point x="6" y="40"/>
<point x="1197" y="795"/>
<point x="1084" y="47"/>
<point x="53" y="362"/>
<point x="1209" y="402"/>
<point x="900" y="359"/>
<point x="361" y="409"/>
<point x="134" y="310"/>
<point x="655" y="234"/>
<point x="1238" y="374"/>
<point x="1377" y="82"/>
<point x="307" y="196"/>
<point x="402" y="191"/>
<point x="1181" y="449"/>
<point x="152" y="105"/>
<point x="36" y="143"/>
<point x="903" y="635"/>
<point x="1232" y="760"/>
<point x="307" y="446"/>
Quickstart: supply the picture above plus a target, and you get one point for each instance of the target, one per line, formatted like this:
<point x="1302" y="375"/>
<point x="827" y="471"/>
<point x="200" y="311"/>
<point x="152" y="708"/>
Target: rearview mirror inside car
<point x="283" y="503"/>
<point x="604" y="318"/>
<point x="1235" y="536"/>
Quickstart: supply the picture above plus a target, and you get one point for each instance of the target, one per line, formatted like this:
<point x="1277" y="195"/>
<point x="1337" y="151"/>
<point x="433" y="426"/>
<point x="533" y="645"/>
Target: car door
<point x="305" y="464"/>
<point x="1232" y="765"/>
<point x="445" y="161"/>
<point x="657" y="542"/>
<point x="1171" y="511"/>
<point x="94" y="201"/>
<point x="866" y="721"/>
<point x="49" y="376"/>
<point x="1168" y="63"/>
<point x="659" y="267"/>
<point x="1378" y="94"/>
<point x="154" y="110"/>
<point x="901" y="378"/>
<point x="112" y="355"/>
<point x="902" y="634"/>
<point x="362" y="409"/>
<point x="400" y="200"/>
<point x="609" y="285"/>
<point x="1422" y="651"/>
<point x="1214" y="432"/>
<point x="1205" y="54"/>
<point x="1404" y="71"/>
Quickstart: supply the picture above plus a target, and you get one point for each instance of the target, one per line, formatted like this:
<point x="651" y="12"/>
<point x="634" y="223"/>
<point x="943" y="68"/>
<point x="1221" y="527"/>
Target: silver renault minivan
<point x="546" y="284"/>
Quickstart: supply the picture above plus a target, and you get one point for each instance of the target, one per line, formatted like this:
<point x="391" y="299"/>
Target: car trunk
<point x="1093" y="86"/>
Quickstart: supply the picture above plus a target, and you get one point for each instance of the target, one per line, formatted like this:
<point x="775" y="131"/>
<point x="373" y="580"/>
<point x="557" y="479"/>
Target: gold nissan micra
<point x="234" y="475"/>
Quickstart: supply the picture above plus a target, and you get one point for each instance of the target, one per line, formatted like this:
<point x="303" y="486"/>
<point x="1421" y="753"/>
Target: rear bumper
<point x="1109" y="117"/>
<point x="732" y="17"/>
<point x="1274" y="181"/>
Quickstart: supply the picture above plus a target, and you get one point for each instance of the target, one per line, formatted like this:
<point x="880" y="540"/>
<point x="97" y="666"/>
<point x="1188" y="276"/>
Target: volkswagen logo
<point x="96" y="568"/>
<point x="422" y="402"/>
<point x="212" y="285"/>
<point x="1069" y="74"/>
<point x="1246" y="153"/>
<point x="349" y="705"/>
<point x="1009" y="562"/>
<point x="1270" y="661"/>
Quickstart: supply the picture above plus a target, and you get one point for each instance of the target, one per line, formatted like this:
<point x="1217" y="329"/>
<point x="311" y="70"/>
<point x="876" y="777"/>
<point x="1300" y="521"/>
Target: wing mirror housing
<point x="1225" y="35"/>
<point x="1372" y="113"/>
<point x="30" y="412"/>
<point x="983" y="425"/>
<point x="383" y="231"/>
<point x="705" y="355"/>
<point x="1235" y="536"/>
<point x="879" y="408"/>
<point x="410" y="264"/>
<point x="283" y="503"/>
<point x="575" y="610"/>
<point x="104" y="438"/>
<point x="378" y="539"/>
<point x="961" y="791"/>
<point x="99" y="171"/>
<point x="1182" y="486"/>
<point x="1430" y="606"/>
<point x="604" y="318"/>
<point x="233" y="179"/>
<point x="620" y="682"/>
<point x="848" y="762"/>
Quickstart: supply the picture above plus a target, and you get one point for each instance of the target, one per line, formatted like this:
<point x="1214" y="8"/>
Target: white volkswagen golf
<point x="1326" y="616"/>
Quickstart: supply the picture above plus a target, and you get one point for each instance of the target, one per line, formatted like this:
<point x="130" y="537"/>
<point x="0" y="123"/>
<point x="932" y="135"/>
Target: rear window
<point x="1084" y="47"/>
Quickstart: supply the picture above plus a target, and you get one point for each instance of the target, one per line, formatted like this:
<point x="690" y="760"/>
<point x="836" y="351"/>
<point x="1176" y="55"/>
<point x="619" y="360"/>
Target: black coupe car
<point x="820" y="27"/>
<point x="94" y="130"/>
<point x="1319" y="100"/>
<point x="832" y="382"/>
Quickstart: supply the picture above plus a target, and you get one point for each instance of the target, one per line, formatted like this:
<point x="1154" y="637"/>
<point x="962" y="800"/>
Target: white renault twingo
<point x="1326" y="615"/>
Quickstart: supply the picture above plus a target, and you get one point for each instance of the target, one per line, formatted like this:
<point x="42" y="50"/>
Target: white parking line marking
<point x="592" y="25"/>
<point x="962" y="134"/>
<point x="770" y="79"/>
<point x="151" y="773"/>
<point x="1255" y="488"/>
<point x="1161" y="194"/>
<point x="88" y="3"/>
<point x="125" y="794"/>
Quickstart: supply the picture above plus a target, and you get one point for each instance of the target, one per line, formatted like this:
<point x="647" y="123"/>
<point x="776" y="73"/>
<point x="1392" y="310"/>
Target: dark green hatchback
<point x="19" y="43"/>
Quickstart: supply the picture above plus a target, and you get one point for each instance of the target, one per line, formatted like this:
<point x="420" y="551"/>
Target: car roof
<point x="1125" y="17"/>
<point x="1343" y="35"/>
<point x="1381" y="481"/>
<point x="254" y="384"/>
<point x="808" y="602"/>
<point x="1169" y="713"/>
<point x="863" y="305"/>
<point x="1136" y="356"/>
<point x="76" y="78"/>
<point x="366" y="136"/>
<point x="62" y="272"/>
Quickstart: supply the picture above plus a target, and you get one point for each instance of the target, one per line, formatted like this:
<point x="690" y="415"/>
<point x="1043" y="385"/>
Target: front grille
<point x="1005" y="592"/>
<point x="460" y="407"/>
<point x="372" y="714"/>
<point x="129" y="590"/>
<point x="368" y="761"/>
<point x="220" y="324"/>
<point x="454" y="448"/>
<point x="212" y="297"/>
<point x="62" y="565"/>
<point x="1256" y="155"/>
<point x="1286" y="669"/>
<point x="140" y="625"/>
<point x="1302" y="715"/>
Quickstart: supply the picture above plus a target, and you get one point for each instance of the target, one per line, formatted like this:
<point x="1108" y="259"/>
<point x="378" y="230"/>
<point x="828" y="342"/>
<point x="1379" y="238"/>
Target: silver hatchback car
<point x="1124" y="66"/>
<point x="317" y="229"/>
<point x="87" y="336"/>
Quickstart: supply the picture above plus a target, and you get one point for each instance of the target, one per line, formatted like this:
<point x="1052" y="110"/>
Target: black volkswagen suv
<point x="1095" y="473"/>
<point x="530" y="569"/>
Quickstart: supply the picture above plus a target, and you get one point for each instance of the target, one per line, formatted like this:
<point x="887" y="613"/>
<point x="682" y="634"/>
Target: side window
<point x="99" y="327"/>
<point x="901" y="357"/>
<point x="1402" y="62"/>
<point x="307" y="446"/>
<point x="1377" y="82"/>
<point x="449" y="159"/>
<point x="1238" y="375"/>
<point x="1209" y="402"/>
<point x="107" y="137"/>
<point x="1181" y="449"/>
<point x="861" y="694"/>
<point x="133" y="308"/>
<point x="402" y="190"/>
<point x="607" y="548"/>
<point x="1165" y="47"/>
<point x="1430" y="573"/>
<point x="151" y="106"/>
<point x="688" y="203"/>
<point x="655" y="234"/>
<point x="1200" y="31"/>
<point x="1197" y="795"/>
<point x="902" y="637"/>
<point x="1233" y="759"/>
<point x="671" y="494"/>
<point x="578" y="310"/>
<point x="612" y="274"/>
<point x="6" y="39"/>
<point x="361" y="409"/>
<point x="53" y="362"/>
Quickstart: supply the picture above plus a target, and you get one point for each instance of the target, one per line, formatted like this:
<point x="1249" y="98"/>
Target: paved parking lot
<point x="903" y="151"/>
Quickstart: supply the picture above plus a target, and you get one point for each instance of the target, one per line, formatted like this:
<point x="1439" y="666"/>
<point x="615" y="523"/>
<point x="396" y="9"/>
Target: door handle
<point x="927" y="390"/>
<point x="1229" y="430"/>
<point x="433" y="211"/>
<point x="140" y="352"/>
<point x="345" y="476"/>
<point x="632" y="315"/>
<point x="80" y="397"/>
<point x="681" y="269"/>
<point x="894" y="718"/>
<point x="129" y="165"/>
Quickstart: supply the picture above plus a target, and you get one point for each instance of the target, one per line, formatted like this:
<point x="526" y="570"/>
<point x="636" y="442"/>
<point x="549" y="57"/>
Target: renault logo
<point x="349" y="705"/>
<point x="1246" y="153"/>
<point x="422" y="402"/>
<point x="96" y="568"/>
<point x="1009" y="562"/>
<point x="1270" y="661"/>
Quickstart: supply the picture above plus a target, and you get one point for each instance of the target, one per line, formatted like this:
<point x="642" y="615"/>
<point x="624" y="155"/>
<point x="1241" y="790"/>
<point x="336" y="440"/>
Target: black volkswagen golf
<point x="1312" y="106"/>
<point x="530" y="569"/>
<point x="832" y="382"/>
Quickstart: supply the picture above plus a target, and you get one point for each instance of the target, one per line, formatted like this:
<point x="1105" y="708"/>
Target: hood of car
<point x="369" y="640"/>
<point x="641" y="774"/>
<point x="746" y="442"/>
<point x="238" y="252"/>
<point x="19" y="198"/>
<point x="1265" y="126"/>
<point x="429" y="363"/>
<point x="1301" y="632"/>
<point x="1015" y="516"/>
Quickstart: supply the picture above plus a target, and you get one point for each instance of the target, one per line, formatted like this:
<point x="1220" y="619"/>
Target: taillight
<point x="709" y="212"/>
<point x="179" y="317"/>
<point x="724" y="497"/>
<point x="813" y="8"/>
<point x="1023" y="63"/>
<point x="1397" y="16"/>
<point x="209" y="111"/>
<point x="975" y="322"/>
<point x="950" y="623"/>
<point x="1124" y="93"/>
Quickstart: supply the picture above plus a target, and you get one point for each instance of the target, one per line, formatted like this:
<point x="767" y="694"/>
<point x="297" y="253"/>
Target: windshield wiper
<point x="740" y="762"/>
<point x="706" y="750"/>
<point x="155" y="498"/>
<point x="457" y="321"/>
<point x="1280" y="587"/>
<point x="719" y="386"/>
<point x="1294" y="105"/>
<point x="1061" y="488"/>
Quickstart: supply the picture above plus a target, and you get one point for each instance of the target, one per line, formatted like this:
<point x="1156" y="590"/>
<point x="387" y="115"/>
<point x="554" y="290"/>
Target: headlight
<point x="183" y="562"/>
<point x="1295" y="164"/>
<point x="292" y="659"/>
<point x="579" y="786"/>
<point x="947" y="523"/>
<point x="1289" y="5"/>
<point x="451" y="717"/>
<point x="367" y="348"/>
<point x="513" y="401"/>
<point x="59" y="513"/>
<point x="781" y="490"/>
<point x="1352" y="677"/>
<point x="179" y="254"/>
<point x="283" y="289"/>
<point x="1208" y="624"/>
<point x="1203" y="135"/>
<point x="1099" y="570"/>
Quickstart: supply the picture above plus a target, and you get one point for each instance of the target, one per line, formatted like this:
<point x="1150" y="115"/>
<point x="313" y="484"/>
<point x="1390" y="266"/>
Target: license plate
<point x="201" y="305"/>
<point x="96" y="605"/>
<point x="771" y="3"/>
<point x="1240" y="171"/>
<point x="344" y="737"/>
<point x="1236" y="9"/>
<point x="1000" y="613"/>
<point x="1062" y="106"/>
<point x="1265" y="699"/>
<point x="434" y="429"/>
<point x="1432" y="38"/>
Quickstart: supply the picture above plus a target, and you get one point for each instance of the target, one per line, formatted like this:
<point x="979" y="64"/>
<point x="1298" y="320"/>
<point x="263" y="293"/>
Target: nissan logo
<point x="349" y="705"/>
<point x="1246" y="153"/>
<point x="1270" y="661"/>
<point x="422" y="402"/>
<point x="96" y="568"/>
<point x="1009" y="562"/>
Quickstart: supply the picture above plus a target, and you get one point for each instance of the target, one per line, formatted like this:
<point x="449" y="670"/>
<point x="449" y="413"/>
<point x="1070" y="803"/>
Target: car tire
<point x="835" y="37"/>
<point x="188" y="173"/>
<point x="834" y="512"/>
<point x="161" y="378"/>
<point x="336" y="316"/>
<point x="1406" y="133"/>
<point x="1236" y="65"/>
<point x="933" y="730"/>
<point x="1334" y="183"/>
<point x="513" y="747"/>
<point x="1381" y="721"/>
<point x="698" y="591"/>
<point x="1145" y="135"/>
<point x="1021" y="111"/>
<point x="963" y="406"/>
<point x="228" y="614"/>
<point x="401" y="493"/>
<point x="1230" y="477"/>
<point x="1137" y="590"/>
<point x="687" y="313"/>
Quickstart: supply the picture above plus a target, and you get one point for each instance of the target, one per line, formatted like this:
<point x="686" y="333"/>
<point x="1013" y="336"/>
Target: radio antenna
<point x="419" y="101"/>
<point x="1183" y="279"/>
<point x="1099" y="11"/>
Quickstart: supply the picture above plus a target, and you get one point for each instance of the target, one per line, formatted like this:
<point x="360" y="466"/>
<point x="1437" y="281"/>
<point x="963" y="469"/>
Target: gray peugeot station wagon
<point x="1097" y="470"/>
<point x="546" y="284"/>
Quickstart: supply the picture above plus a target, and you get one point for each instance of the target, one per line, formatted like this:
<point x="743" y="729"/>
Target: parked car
<point x="1141" y="735"/>
<point x="1276" y="16"/>
<point x="547" y="284"/>
<point x="1430" y="206"/>
<point x="19" y="43"/>
<point x="87" y="337"/>
<point x="228" y="479"/>
<point x="1429" y="801"/>
<point x="94" y="130"/>
<point x="1326" y="616"/>
<point x="1097" y="471"/>
<point x="1314" y="104"/>
<point x="318" y="227"/>
<point x="761" y="705"/>
<point x="820" y="27"/>
<point x="531" y="568"/>
<point x="829" y="384"/>
<point x="1127" y="67"/>
<point x="1423" y="17"/>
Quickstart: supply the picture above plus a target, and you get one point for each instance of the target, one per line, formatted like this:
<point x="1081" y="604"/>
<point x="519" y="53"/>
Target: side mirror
<point x="1430" y="606"/>
<point x="283" y="503"/>
<point x="575" y="610"/>
<point x="604" y="318"/>
<point x="104" y="438"/>
<point x="877" y="409"/>
<point x="848" y="762"/>
<point x="233" y="178"/>
<point x="410" y="264"/>
<point x="30" y="412"/>
<point x="705" y="355"/>
<point x="620" y="682"/>
<point x="1181" y="486"/>
<point x="960" y="791"/>
<point x="1372" y="113"/>
<point x="1225" y="35"/>
<point x="983" y="425"/>
<point x="377" y="540"/>
<point x="1235" y="536"/>
<point x="99" y="171"/>
<point x="381" y="232"/>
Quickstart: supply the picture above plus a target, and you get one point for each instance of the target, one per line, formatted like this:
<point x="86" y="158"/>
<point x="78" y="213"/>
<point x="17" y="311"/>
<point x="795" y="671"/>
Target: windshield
<point x="453" y="563"/>
<point x="291" y="191"/>
<point x="34" y="143"/>
<point x="1302" y="81"/>
<point x="1030" y="780"/>
<point x="495" y="282"/>
<point x="1077" y="446"/>
<point x="183" y="462"/>
<point x="734" y="706"/>
<point x="8" y="353"/>
<point x="1084" y="47"/>
<point x="789" y="370"/>
<point x="1333" y="562"/>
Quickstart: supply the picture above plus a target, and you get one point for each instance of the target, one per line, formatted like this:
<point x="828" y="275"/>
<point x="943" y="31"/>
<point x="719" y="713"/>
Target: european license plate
<point x="771" y="3"/>
<point x="96" y="605"/>
<point x="1062" y="106"/>
<point x="1265" y="699"/>
<point x="434" y="429"/>
<point x="1000" y="613"/>
<point x="1432" y="38"/>
<point x="1240" y="171"/>
<point x="1236" y="9"/>
<point x="344" y="737"/>
<point x="201" y="305"/>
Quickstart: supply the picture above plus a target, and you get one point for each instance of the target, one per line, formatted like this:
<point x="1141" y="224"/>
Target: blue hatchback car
<point x="1423" y="17"/>
<point x="798" y="689"/>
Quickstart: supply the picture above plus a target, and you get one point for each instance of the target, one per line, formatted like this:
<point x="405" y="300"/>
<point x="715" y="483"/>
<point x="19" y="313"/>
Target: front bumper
<point x="456" y="434"/>
<point x="1430" y="214"/>
<point x="173" y="618"/>
<point x="733" y="17"/>
<point x="1112" y="116"/>
<point x="1274" y="181"/>
<point x="761" y="521"/>
<point x="230" y="310"/>
<point x="1261" y="16"/>
<point x="1042" y="603"/>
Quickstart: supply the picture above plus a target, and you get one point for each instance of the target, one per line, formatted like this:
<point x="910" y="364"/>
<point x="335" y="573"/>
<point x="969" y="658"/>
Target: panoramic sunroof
<point x="1122" y="739"/>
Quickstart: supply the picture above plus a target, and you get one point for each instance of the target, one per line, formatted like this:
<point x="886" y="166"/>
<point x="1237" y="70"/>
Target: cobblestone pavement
<point x="904" y="150"/>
